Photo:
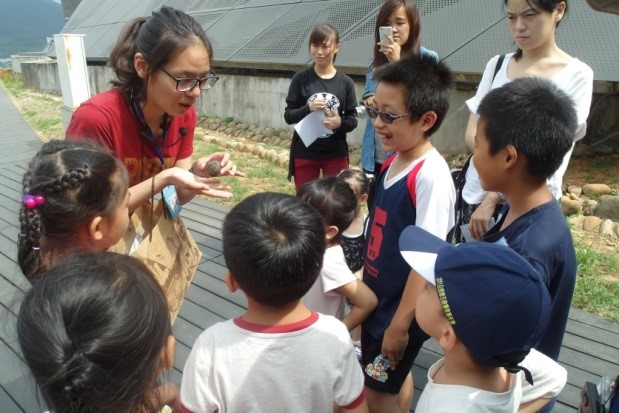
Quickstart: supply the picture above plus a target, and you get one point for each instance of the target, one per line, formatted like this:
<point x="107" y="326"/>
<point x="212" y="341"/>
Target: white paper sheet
<point x="311" y="128"/>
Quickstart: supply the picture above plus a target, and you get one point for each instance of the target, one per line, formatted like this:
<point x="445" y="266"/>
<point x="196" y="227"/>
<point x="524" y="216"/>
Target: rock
<point x="591" y="224"/>
<point x="573" y="189"/>
<point x="355" y="159"/>
<point x="272" y="155"/>
<point x="603" y="149"/>
<point x="577" y="221"/>
<point x="283" y="158"/>
<point x="589" y="206"/>
<point x="596" y="189"/>
<point x="606" y="227"/>
<point x="616" y="226"/>
<point x="213" y="167"/>
<point x="582" y="150"/>
<point x="608" y="207"/>
<point x="570" y="206"/>
<point x="574" y="197"/>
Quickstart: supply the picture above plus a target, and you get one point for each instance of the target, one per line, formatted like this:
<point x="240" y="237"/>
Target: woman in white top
<point x="533" y="24"/>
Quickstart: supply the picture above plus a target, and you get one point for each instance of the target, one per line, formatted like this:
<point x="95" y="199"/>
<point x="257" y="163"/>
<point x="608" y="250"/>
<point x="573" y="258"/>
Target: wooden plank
<point x="4" y="225"/>
<point x="10" y="297"/>
<point x="10" y="207"/>
<point x="200" y="213"/>
<point x="12" y="177"/>
<point x="593" y="333"/>
<point x="181" y="353"/>
<point x="218" y="287"/>
<point x="587" y="362"/>
<point x="216" y="304"/>
<point x="185" y="332"/>
<point x="11" y="272"/>
<point x="16" y="380"/>
<point x="208" y="203"/>
<point x="202" y="228"/>
<point x="8" y="404"/>
<point x="605" y="351"/>
<point x="197" y="315"/>
<point x="593" y="320"/>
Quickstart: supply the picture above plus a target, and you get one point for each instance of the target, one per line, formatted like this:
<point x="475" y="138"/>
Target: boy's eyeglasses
<point x="384" y="116"/>
<point x="185" y="84"/>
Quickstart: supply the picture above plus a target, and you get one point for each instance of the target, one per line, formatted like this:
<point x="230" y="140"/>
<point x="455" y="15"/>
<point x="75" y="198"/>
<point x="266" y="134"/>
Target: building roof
<point x="274" y="33"/>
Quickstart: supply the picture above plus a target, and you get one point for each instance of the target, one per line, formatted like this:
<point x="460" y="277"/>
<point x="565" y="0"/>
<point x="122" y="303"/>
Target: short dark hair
<point x="334" y="199"/>
<point x="92" y="331"/>
<point x="273" y="245"/>
<point x="426" y="85"/>
<point x="536" y="117"/>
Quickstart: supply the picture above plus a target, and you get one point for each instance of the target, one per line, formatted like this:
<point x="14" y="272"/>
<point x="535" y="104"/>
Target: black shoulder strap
<point x="499" y="63"/>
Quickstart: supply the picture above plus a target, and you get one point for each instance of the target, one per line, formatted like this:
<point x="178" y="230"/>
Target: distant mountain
<point x="25" y="24"/>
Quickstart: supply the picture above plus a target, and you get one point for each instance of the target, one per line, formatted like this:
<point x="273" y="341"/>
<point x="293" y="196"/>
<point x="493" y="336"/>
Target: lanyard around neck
<point x="147" y="133"/>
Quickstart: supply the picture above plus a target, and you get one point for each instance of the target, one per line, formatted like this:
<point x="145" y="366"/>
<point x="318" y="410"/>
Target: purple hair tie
<point x="32" y="201"/>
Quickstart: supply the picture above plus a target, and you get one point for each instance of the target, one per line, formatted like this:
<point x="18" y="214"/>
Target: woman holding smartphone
<point x="403" y="19"/>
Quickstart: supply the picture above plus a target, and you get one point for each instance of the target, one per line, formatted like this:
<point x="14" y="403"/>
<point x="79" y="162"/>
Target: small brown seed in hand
<point x="213" y="167"/>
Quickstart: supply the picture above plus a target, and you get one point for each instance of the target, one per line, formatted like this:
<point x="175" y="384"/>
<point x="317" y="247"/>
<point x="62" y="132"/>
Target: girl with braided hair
<point x="95" y="332"/>
<point x="75" y="197"/>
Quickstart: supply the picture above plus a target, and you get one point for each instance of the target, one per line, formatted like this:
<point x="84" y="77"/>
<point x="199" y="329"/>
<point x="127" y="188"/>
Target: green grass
<point x="12" y="82"/>
<point x="597" y="286"/>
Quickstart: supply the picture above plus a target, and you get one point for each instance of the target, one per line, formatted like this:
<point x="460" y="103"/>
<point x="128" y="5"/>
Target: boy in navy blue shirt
<point x="526" y="127"/>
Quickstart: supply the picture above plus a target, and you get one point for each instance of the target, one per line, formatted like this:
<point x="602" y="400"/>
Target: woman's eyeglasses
<point x="185" y="84"/>
<point x="384" y="116"/>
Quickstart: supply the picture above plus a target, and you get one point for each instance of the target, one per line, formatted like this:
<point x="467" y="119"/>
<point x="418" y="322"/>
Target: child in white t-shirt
<point x="337" y="204"/>
<point x="278" y="356"/>
<point x="487" y="307"/>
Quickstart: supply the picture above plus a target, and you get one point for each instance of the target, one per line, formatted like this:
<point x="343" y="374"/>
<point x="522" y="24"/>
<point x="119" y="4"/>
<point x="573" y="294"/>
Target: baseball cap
<point x="494" y="299"/>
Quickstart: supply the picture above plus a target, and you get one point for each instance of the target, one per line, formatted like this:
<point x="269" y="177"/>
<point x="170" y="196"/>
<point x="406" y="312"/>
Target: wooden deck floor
<point x="590" y="348"/>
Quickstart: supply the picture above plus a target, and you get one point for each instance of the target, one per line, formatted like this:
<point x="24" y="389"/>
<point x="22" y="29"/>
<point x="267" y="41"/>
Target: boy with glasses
<point x="414" y="188"/>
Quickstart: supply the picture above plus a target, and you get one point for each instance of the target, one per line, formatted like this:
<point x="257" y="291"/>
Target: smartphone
<point x="385" y="32"/>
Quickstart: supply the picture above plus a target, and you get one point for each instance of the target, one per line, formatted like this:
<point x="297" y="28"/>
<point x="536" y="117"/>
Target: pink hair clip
<point x="32" y="201"/>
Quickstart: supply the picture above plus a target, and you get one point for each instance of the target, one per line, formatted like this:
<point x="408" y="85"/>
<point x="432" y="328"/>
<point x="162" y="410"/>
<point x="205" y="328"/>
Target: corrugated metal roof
<point x="467" y="33"/>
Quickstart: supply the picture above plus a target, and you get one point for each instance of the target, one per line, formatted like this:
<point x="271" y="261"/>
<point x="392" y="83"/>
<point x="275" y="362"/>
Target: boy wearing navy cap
<point x="487" y="307"/>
